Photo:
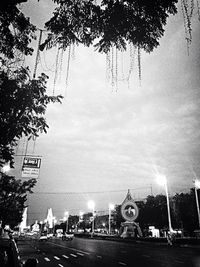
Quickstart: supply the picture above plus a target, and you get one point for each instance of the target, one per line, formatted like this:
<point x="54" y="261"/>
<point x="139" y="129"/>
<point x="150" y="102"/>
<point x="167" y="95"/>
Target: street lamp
<point x="111" y="207"/>
<point x="91" y="205"/>
<point x="197" y="186"/>
<point x="66" y="219"/>
<point x="6" y="168"/>
<point x="161" y="180"/>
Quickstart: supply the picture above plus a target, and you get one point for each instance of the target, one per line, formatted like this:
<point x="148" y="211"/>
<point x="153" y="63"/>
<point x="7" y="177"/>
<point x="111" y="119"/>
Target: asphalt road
<point x="100" y="253"/>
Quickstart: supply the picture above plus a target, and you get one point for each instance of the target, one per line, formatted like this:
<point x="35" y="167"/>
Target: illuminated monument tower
<point x="129" y="212"/>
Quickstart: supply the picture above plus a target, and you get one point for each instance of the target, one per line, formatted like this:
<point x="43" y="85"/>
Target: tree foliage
<point x="23" y="101"/>
<point x="23" y="104"/>
<point x="16" y="31"/>
<point x="13" y="195"/>
<point x="109" y="23"/>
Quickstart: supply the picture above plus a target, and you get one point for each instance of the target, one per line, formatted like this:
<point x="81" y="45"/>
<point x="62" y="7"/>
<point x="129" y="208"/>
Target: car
<point x="9" y="255"/>
<point x="67" y="236"/>
<point x="43" y="237"/>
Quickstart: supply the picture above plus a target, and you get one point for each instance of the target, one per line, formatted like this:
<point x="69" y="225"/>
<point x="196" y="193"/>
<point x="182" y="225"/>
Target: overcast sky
<point x="111" y="139"/>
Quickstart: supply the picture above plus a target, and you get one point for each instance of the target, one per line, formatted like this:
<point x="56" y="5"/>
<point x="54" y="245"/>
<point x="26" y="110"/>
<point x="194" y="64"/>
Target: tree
<point x="109" y="23"/>
<point x="23" y="104"/>
<point x="13" y="195"/>
<point x="16" y="31"/>
<point x="185" y="210"/>
<point x="23" y="101"/>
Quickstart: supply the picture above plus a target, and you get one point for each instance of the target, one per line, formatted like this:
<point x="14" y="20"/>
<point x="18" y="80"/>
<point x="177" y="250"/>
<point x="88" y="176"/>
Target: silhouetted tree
<point x="13" y="195"/>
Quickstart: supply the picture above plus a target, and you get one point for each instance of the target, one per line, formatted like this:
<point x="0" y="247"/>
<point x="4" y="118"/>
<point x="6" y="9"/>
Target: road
<point x="100" y="253"/>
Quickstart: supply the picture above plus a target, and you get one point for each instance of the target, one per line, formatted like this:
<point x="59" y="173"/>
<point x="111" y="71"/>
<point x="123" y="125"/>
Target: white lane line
<point x="77" y="250"/>
<point x="146" y="256"/>
<point x="122" y="263"/>
<point x="47" y="259"/>
<point x="66" y="257"/>
<point x="98" y="256"/>
<point x="80" y="254"/>
<point x="60" y="265"/>
<point x="55" y="257"/>
<point x="73" y="255"/>
<point x="179" y="261"/>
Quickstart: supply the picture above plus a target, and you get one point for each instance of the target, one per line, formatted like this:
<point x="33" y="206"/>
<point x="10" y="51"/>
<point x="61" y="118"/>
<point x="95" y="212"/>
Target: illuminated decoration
<point x="23" y="224"/>
<point x="36" y="227"/>
<point x="129" y="209"/>
<point x="50" y="218"/>
<point x="130" y="212"/>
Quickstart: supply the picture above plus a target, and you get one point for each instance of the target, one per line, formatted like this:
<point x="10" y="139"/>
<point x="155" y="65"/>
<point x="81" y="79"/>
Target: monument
<point x="130" y="212"/>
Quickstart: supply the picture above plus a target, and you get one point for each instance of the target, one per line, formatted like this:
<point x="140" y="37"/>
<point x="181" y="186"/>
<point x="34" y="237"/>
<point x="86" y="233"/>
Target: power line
<point x="91" y="192"/>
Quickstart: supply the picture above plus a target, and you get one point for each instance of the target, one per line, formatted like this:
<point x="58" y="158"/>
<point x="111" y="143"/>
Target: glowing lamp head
<point x="91" y="204"/>
<point x="197" y="184"/>
<point x="161" y="179"/>
<point x="111" y="206"/>
<point x="6" y="168"/>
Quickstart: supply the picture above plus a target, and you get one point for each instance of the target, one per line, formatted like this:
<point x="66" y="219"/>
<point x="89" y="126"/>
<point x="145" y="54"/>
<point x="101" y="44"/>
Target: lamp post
<point x="161" y="179"/>
<point x="91" y="205"/>
<point x="197" y="186"/>
<point x="111" y="207"/>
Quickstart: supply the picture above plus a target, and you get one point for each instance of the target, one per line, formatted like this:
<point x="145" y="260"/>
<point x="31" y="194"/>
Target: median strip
<point x="122" y="263"/>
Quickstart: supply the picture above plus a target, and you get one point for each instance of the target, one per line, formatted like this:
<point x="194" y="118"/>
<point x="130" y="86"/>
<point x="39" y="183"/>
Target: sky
<point x="103" y="140"/>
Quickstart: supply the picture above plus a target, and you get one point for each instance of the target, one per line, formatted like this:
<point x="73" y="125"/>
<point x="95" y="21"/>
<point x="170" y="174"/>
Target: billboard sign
<point x="31" y="167"/>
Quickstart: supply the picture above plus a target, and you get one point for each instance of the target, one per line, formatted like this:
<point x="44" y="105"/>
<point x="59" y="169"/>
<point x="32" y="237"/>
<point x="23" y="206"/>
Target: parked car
<point x="67" y="236"/>
<point x="9" y="255"/>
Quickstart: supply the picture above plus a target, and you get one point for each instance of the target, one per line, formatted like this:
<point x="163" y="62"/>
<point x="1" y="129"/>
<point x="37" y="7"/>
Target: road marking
<point x="60" y="265"/>
<point x="73" y="255"/>
<point x="80" y="254"/>
<point x="98" y="256"/>
<point x="179" y="261"/>
<point x="55" y="257"/>
<point x="77" y="250"/>
<point x="122" y="263"/>
<point x="47" y="259"/>
<point x="66" y="257"/>
<point x="146" y="256"/>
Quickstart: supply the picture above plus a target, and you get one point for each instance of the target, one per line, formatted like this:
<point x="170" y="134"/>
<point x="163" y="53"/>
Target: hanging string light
<point x="56" y="69"/>
<point x="139" y="64"/>
<point x="68" y="66"/>
<point x="187" y="11"/>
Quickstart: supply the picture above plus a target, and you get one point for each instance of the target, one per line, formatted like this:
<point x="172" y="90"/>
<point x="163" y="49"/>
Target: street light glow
<point x="161" y="179"/>
<point x="197" y="184"/>
<point x="6" y="168"/>
<point x="66" y="213"/>
<point x="91" y="204"/>
<point x="111" y="206"/>
<point x="81" y="213"/>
